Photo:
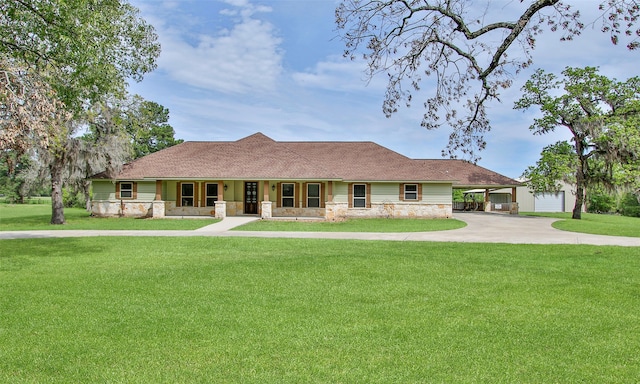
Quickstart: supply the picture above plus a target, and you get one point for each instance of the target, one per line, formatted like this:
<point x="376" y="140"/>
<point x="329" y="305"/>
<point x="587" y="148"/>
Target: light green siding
<point x="381" y="193"/>
<point x="106" y="190"/>
<point x="437" y="193"/>
<point x="103" y="190"/>
<point x="390" y="192"/>
<point x="171" y="190"/>
<point x="146" y="190"/>
<point x="340" y="192"/>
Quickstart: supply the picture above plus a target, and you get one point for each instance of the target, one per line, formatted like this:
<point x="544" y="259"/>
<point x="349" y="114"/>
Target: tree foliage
<point x="147" y="123"/>
<point x="557" y="164"/>
<point x="601" y="115"/>
<point x="29" y="108"/>
<point x="85" y="48"/>
<point x="463" y="49"/>
<point x="82" y="51"/>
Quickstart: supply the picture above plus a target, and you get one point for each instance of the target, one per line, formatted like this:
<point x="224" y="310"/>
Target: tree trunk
<point x="577" y="209"/>
<point x="86" y="189"/>
<point x="57" y="205"/>
<point x="580" y="183"/>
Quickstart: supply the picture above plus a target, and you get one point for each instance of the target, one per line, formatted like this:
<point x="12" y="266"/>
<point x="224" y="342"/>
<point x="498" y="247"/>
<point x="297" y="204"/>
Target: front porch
<point x="331" y="200"/>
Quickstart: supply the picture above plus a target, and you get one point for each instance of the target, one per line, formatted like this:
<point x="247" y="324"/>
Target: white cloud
<point x="243" y="57"/>
<point x="336" y="73"/>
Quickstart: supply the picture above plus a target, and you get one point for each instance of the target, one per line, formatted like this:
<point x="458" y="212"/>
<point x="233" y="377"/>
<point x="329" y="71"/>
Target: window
<point x="313" y="195"/>
<point x="359" y="195"/>
<point x="186" y="195"/>
<point x="126" y="190"/>
<point x="288" y="194"/>
<point x="411" y="191"/>
<point x="211" y="194"/>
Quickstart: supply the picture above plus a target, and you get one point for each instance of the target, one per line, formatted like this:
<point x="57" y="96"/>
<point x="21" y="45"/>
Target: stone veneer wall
<point x="333" y="211"/>
<point x="172" y="210"/>
<point x="109" y="208"/>
<point x="298" y="212"/>
<point x="337" y="211"/>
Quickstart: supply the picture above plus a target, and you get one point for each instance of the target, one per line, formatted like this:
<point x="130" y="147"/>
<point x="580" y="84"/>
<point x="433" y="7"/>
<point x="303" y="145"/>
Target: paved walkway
<point x="481" y="228"/>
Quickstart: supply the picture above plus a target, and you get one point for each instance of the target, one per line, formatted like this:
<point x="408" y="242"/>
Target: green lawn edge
<point x="594" y="224"/>
<point x="375" y="225"/>
<point x="31" y="217"/>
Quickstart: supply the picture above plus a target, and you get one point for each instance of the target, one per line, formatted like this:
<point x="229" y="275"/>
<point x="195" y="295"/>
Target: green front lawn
<point x="612" y="225"/>
<point x="229" y="310"/>
<point x="354" y="225"/>
<point x="21" y="217"/>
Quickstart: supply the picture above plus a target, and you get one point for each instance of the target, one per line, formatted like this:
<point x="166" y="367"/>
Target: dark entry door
<point x="251" y="197"/>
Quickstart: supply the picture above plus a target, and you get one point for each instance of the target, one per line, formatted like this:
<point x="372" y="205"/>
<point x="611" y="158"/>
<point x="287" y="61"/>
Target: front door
<point x="251" y="197"/>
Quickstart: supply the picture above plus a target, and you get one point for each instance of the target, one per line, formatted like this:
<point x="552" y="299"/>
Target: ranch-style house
<point x="260" y="176"/>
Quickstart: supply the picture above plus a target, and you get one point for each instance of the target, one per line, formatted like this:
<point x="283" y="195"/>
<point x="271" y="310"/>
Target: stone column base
<point x="157" y="209"/>
<point x="221" y="209"/>
<point x="266" y="209"/>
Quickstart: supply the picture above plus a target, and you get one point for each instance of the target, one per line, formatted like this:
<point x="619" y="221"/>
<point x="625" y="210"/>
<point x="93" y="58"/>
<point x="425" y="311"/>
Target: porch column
<point x="220" y="190"/>
<point x="265" y="205"/>
<point x="221" y="205"/>
<point x="487" y="201"/>
<point x="157" y="206"/>
<point x="514" y="210"/>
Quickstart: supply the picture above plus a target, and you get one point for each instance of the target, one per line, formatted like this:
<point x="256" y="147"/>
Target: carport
<point x="475" y="180"/>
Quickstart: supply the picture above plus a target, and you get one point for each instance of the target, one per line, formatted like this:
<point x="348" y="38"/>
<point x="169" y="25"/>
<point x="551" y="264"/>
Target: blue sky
<point x="231" y="68"/>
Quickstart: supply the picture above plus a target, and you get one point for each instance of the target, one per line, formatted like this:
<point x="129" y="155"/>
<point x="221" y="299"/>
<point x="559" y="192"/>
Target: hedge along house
<point x="259" y="176"/>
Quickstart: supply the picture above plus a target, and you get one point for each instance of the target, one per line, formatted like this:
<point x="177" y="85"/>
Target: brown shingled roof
<point x="470" y="175"/>
<point x="259" y="157"/>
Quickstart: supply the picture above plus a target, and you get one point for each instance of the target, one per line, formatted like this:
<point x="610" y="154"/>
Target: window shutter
<point x="401" y="197"/>
<point x="350" y="195"/>
<point x="322" y="195"/>
<point x="203" y="194"/>
<point x="178" y="193"/>
<point x="296" y="187"/>
<point x="195" y="194"/>
<point x="135" y="190"/>
<point x="118" y="190"/>
<point x="279" y="195"/>
<point x="305" y="194"/>
<point x="419" y="192"/>
<point x="368" y="195"/>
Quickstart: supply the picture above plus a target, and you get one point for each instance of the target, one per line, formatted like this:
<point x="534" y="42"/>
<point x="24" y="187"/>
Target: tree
<point x="84" y="49"/>
<point x="450" y="41"/>
<point x="601" y="115"/>
<point x="147" y="124"/>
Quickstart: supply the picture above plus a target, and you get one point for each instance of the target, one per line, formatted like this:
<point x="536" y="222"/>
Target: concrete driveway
<point x="481" y="228"/>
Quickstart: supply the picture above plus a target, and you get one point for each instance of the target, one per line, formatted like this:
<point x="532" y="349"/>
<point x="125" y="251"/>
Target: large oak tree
<point x="602" y="116"/>
<point x="84" y="50"/>
<point x="469" y="49"/>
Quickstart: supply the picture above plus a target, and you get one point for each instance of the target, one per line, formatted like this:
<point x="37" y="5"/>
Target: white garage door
<point x="549" y="202"/>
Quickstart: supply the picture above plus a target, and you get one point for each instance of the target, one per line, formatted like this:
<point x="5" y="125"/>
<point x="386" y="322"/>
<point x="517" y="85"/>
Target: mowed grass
<point x="228" y="310"/>
<point x="22" y="217"/>
<point x="612" y="225"/>
<point x="354" y="225"/>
